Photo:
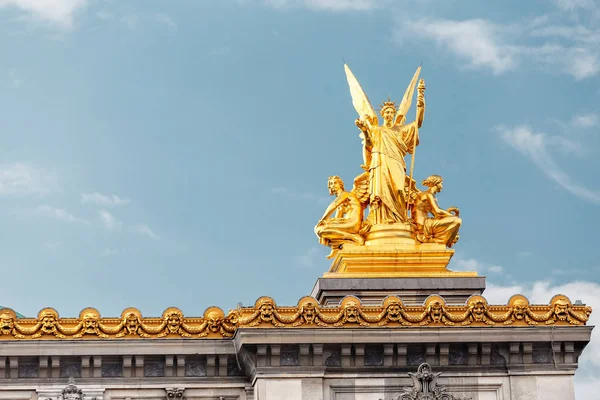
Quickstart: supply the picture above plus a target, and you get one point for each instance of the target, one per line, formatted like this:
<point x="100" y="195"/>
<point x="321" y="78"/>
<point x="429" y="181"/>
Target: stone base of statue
<point x="392" y="262"/>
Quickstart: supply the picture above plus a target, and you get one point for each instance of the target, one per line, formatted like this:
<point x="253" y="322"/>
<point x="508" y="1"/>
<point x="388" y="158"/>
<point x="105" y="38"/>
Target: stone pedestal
<point x="455" y="290"/>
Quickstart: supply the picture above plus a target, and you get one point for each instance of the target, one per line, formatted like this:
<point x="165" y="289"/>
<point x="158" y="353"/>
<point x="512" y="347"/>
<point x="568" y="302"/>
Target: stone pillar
<point x="515" y="355"/>
<point x="180" y="365"/>
<point x="14" y="367"/>
<point x="444" y="352"/>
<point x="527" y="353"/>
<point x="569" y="353"/>
<point x="44" y="372"/>
<point x="430" y="354"/>
<point x="359" y="352"/>
<point x="139" y="366"/>
<point x="211" y="362"/>
<point x="169" y="365"/>
<point x="55" y="370"/>
<point x="127" y="366"/>
<point x="86" y="367"/>
<point x="222" y="365"/>
<point x="346" y="355"/>
<point x="3" y="367"/>
<point x="388" y="355"/>
<point x="304" y="355"/>
<point x="486" y="351"/>
<point x="261" y="354"/>
<point x="318" y="355"/>
<point x="97" y="372"/>
<point x="275" y="354"/>
<point x="402" y="349"/>
<point x="472" y="360"/>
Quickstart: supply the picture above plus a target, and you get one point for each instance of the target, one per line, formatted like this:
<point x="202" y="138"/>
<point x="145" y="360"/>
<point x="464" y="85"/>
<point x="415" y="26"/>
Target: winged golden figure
<point x="385" y="147"/>
<point x="343" y="220"/>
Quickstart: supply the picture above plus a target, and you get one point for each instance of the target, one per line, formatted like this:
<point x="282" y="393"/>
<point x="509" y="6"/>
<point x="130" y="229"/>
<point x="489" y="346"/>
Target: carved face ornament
<point x="174" y="322"/>
<point x="478" y="310"/>
<point x="214" y="320"/>
<point x="520" y="309"/>
<point x="309" y="312"/>
<point x="393" y="311"/>
<point x="351" y="312"/>
<point x="6" y="324"/>
<point x="131" y="323"/>
<point x="266" y="311"/>
<point x="90" y="323"/>
<point x="561" y="310"/>
<point x="48" y="323"/>
<point x="436" y="311"/>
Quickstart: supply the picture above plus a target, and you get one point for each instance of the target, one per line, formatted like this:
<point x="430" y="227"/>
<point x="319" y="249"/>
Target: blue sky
<point x="176" y="153"/>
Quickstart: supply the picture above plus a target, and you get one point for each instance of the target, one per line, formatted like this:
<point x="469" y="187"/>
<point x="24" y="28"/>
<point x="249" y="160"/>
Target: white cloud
<point x="535" y="146"/>
<point x="575" y="4"/>
<point x="109" y="221"/>
<point x="165" y="19"/>
<point x="589" y="120"/>
<point x="497" y="269"/>
<point x="20" y="179"/>
<point x="327" y="5"/>
<point x="103" y="200"/>
<point x="478" y="41"/>
<point x="482" y="44"/>
<point x="60" y="12"/>
<point x="143" y="229"/>
<point x="471" y="264"/>
<point x="59" y="213"/>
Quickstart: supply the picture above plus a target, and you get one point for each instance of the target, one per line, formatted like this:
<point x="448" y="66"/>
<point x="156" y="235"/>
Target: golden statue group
<point x="397" y="211"/>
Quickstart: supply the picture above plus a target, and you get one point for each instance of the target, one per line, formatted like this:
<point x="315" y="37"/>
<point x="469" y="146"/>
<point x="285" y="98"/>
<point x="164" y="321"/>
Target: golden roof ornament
<point x="385" y="213"/>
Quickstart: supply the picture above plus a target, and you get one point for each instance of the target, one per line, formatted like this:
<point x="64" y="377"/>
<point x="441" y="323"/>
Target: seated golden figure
<point x="443" y="227"/>
<point x="347" y="225"/>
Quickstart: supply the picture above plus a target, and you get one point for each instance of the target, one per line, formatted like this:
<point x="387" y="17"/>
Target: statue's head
<point x="388" y="112"/>
<point x="434" y="182"/>
<point x="335" y="184"/>
<point x="48" y="317"/>
<point x="214" y="317"/>
<point x="131" y="319"/>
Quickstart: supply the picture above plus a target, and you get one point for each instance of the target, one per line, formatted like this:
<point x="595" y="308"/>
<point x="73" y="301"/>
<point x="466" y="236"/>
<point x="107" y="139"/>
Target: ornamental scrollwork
<point x="308" y="313"/>
<point x="426" y="386"/>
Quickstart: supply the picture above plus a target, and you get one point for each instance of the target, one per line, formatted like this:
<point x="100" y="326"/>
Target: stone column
<point x="318" y="355"/>
<point x="388" y="355"/>
<point x="128" y="366"/>
<point x="55" y="370"/>
<point x="222" y="365"/>
<point x="180" y="365"/>
<point x="169" y="365"/>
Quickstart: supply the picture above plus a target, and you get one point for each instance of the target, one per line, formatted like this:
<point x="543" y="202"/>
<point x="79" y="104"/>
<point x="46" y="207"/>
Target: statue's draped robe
<point x="387" y="170"/>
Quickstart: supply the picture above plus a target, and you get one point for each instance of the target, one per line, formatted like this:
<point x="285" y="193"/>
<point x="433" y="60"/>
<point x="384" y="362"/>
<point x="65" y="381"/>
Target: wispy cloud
<point x="471" y="264"/>
<point x="20" y="179"/>
<point x="59" y="214"/>
<point x="58" y="12"/>
<point x="483" y="44"/>
<point x="109" y="221"/>
<point x="479" y="41"/>
<point x="144" y="230"/>
<point x="165" y="19"/>
<point x="589" y="120"/>
<point x="103" y="200"/>
<point x="536" y="147"/>
<point x="327" y="5"/>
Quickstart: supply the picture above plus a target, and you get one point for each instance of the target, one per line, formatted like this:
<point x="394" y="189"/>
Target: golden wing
<point x="360" y="101"/>
<point x="407" y="99"/>
<point x="361" y="188"/>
